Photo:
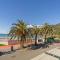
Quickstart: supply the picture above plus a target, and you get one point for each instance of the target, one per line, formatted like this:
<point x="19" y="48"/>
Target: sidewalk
<point x="53" y="54"/>
<point x="25" y="54"/>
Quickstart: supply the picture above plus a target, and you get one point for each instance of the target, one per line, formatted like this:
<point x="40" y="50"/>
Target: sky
<point x="31" y="11"/>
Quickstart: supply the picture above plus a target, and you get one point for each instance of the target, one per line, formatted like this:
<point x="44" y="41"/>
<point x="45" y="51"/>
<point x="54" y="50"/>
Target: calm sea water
<point x="3" y="35"/>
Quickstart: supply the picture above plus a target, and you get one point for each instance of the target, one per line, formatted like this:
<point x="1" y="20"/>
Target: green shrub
<point x="50" y="40"/>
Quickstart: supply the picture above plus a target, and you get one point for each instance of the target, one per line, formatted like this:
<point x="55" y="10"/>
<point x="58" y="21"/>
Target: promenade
<point x="53" y="54"/>
<point x="26" y="54"/>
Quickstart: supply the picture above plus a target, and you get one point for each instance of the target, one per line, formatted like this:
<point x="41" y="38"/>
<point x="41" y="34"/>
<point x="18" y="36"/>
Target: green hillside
<point x="56" y="28"/>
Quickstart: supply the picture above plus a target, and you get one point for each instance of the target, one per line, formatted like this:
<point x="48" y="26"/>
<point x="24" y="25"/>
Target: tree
<point x="35" y="31"/>
<point x="19" y="31"/>
<point x="47" y="30"/>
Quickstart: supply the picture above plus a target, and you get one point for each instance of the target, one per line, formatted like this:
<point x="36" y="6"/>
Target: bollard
<point x="11" y="48"/>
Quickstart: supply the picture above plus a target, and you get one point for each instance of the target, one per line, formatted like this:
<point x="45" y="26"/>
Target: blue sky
<point x="32" y="11"/>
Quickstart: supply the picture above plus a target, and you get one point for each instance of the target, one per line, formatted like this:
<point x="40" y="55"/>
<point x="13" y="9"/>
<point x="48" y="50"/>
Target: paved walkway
<point x="53" y="54"/>
<point x="25" y="54"/>
<point x="44" y="56"/>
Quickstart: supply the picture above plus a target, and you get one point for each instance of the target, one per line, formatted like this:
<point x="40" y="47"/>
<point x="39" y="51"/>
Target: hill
<point x="56" y="28"/>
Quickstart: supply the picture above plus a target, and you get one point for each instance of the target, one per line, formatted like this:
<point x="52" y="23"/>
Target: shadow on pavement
<point x="33" y="47"/>
<point x="9" y="52"/>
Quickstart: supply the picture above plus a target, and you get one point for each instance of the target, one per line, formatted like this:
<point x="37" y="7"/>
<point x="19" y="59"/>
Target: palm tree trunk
<point x="18" y="39"/>
<point x="23" y="40"/>
<point x="22" y="43"/>
<point x="35" y="39"/>
<point x="45" y="38"/>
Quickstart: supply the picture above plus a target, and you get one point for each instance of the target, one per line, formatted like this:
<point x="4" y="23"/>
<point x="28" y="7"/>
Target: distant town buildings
<point x="31" y="26"/>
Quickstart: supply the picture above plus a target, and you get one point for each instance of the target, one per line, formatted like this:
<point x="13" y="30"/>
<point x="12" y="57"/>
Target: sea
<point x="3" y="35"/>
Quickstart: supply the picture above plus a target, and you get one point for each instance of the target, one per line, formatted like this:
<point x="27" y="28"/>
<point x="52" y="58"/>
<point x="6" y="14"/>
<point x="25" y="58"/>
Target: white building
<point x="31" y="26"/>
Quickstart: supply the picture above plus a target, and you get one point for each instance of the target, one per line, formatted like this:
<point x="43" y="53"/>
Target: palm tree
<point x="19" y="31"/>
<point x="47" y="29"/>
<point x="35" y="31"/>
